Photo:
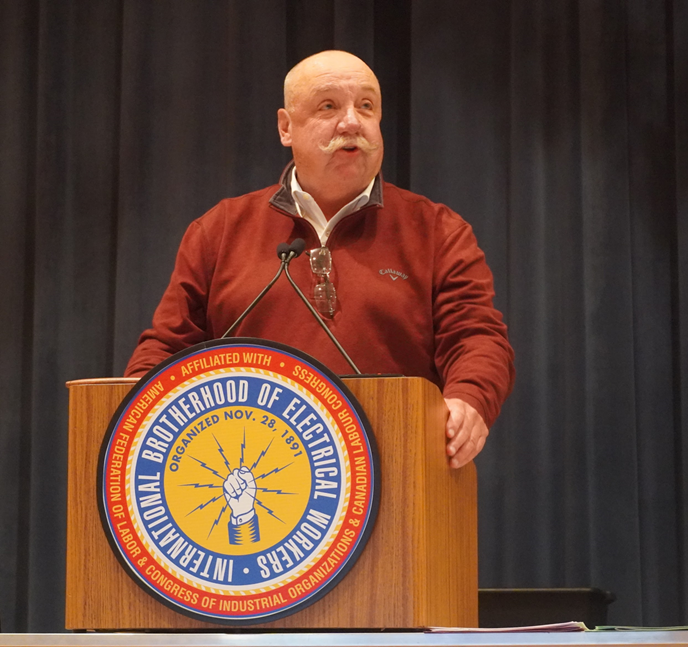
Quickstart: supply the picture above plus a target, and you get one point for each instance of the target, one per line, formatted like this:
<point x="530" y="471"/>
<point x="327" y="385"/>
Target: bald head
<point x="303" y="78"/>
<point x="331" y="122"/>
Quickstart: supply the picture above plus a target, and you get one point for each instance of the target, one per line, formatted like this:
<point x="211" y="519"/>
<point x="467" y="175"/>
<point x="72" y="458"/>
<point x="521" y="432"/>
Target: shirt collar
<point x="305" y="202"/>
<point x="283" y="199"/>
<point x="309" y="209"/>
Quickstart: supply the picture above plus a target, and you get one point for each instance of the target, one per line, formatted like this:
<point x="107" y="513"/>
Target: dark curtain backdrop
<point x="558" y="128"/>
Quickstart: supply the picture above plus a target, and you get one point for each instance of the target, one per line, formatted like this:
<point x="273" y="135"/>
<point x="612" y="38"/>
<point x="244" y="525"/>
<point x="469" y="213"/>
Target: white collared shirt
<point x="309" y="209"/>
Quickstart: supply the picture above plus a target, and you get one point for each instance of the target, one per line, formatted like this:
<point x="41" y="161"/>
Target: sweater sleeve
<point x="472" y="351"/>
<point x="180" y="318"/>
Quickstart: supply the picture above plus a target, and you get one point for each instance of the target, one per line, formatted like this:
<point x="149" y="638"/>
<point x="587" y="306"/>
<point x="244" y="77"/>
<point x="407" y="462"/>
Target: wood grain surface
<point x="419" y="567"/>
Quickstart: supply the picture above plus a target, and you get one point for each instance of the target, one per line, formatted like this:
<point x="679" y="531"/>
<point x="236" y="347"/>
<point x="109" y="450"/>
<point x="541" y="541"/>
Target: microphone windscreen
<point x="283" y="249"/>
<point x="297" y="246"/>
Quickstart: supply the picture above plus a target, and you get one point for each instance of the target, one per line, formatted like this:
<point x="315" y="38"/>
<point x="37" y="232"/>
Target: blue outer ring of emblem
<point x="338" y="573"/>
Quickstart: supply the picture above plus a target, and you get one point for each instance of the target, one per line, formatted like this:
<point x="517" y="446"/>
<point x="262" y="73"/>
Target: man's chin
<point x="346" y="171"/>
<point x="351" y="186"/>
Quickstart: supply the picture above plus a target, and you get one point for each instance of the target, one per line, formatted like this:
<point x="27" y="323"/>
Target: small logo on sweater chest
<point x="394" y="274"/>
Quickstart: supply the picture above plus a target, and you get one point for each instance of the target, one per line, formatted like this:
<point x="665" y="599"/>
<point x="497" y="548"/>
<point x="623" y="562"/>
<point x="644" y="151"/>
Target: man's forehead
<point x="330" y="71"/>
<point x="337" y="86"/>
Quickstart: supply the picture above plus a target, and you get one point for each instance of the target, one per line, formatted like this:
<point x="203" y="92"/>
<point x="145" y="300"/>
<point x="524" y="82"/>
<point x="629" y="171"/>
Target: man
<point x="400" y="281"/>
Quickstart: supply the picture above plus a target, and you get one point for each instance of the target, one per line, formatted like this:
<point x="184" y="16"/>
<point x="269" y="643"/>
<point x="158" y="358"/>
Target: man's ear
<point x="284" y="126"/>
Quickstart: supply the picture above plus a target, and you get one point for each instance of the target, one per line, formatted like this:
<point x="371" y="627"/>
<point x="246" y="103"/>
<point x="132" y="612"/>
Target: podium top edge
<point x="134" y="380"/>
<point x="102" y="380"/>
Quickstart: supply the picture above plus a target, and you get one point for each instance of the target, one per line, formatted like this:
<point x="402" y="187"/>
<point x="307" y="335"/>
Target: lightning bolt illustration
<point x="222" y="453"/>
<point x="226" y="462"/>
<point x="265" y="451"/>
<point x="270" y="512"/>
<point x="217" y="521"/>
<point x="243" y="447"/>
<point x="264" y="489"/>
<point x="277" y="469"/>
<point x="207" y="467"/>
<point x="207" y="503"/>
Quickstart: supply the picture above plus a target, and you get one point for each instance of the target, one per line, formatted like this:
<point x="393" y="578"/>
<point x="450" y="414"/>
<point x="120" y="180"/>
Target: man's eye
<point x="366" y="105"/>
<point x="327" y="106"/>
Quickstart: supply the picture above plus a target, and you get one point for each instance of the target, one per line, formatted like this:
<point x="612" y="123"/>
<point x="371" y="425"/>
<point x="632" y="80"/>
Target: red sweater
<point x="414" y="294"/>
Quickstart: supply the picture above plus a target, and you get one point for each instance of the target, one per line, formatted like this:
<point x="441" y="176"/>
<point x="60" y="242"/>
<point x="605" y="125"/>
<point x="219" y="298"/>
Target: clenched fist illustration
<point x="240" y="492"/>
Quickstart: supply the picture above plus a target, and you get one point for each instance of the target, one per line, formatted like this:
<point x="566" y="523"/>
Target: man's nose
<point x="349" y="122"/>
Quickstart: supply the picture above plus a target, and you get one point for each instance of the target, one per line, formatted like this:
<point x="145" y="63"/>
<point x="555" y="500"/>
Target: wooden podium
<point x="419" y="569"/>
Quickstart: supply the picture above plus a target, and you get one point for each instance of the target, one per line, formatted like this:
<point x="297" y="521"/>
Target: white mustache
<point x="341" y="141"/>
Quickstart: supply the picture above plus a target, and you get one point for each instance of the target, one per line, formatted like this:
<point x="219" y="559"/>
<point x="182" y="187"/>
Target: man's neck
<point x="330" y="204"/>
<point x="330" y="209"/>
<point x="310" y="209"/>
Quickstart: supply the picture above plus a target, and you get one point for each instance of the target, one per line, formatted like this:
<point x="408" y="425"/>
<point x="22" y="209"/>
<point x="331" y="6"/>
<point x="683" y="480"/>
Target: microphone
<point x="285" y="253"/>
<point x="297" y="246"/>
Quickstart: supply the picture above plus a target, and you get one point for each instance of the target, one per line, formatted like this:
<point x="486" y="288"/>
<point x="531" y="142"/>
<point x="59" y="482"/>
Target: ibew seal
<point x="237" y="483"/>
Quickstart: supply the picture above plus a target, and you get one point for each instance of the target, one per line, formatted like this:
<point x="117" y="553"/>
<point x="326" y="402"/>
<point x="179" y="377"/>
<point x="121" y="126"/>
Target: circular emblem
<point x="238" y="481"/>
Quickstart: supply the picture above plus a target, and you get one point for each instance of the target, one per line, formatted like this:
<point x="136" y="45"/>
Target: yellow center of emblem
<point x="239" y="482"/>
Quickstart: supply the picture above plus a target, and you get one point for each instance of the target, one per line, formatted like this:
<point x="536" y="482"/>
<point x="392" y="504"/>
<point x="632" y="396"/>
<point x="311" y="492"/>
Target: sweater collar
<point x="283" y="199"/>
